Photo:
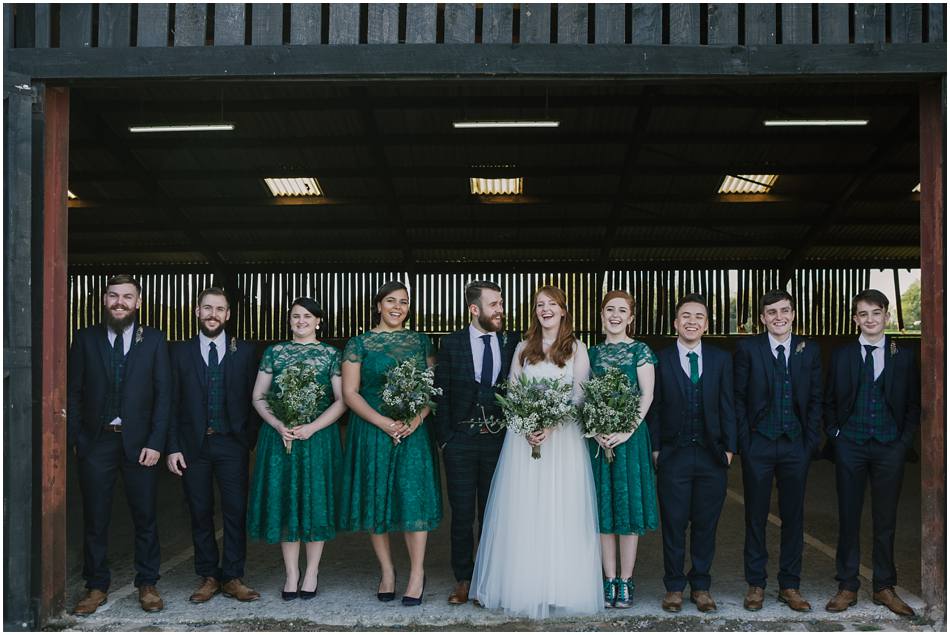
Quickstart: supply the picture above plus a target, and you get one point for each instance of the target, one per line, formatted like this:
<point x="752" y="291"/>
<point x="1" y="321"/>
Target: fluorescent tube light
<point x="72" y="197"/>
<point x="294" y="186"/>
<point x="196" y="127"/>
<point x="815" y="122"/>
<point x="747" y="183"/>
<point x="480" y="186"/>
<point x="507" y="124"/>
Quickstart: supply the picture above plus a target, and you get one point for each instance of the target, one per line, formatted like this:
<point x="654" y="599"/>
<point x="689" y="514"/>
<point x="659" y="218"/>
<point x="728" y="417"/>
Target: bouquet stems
<point x="536" y="452"/>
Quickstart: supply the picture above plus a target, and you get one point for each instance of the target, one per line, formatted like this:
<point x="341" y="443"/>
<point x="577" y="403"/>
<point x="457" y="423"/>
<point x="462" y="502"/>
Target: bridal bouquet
<point x="530" y="405"/>
<point x="610" y="406"/>
<point x="299" y="397"/>
<point x="408" y="390"/>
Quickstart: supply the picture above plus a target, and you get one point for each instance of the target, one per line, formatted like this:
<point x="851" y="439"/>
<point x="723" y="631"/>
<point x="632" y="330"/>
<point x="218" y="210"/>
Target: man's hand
<point x="176" y="463"/>
<point x="656" y="454"/>
<point x="149" y="457"/>
<point x="728" y="458"/>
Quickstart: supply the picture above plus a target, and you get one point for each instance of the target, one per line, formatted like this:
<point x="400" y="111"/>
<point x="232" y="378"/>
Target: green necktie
<point x="693" y="366"/>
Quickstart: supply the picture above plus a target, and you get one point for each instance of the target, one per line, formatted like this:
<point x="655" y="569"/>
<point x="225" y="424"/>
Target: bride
<point x="539" y="553"/>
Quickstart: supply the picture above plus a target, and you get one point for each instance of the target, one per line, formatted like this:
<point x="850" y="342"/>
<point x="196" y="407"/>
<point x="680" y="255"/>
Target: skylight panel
<point x="481" y="187"/>
<point x="747" y="183"/>
<point x="293" y="186"/>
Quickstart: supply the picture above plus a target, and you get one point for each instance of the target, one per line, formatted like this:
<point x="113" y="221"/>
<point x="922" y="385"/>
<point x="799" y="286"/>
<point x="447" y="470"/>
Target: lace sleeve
<point x="645" y="355"/>
<point x="334" y="362"/>
<point x="267" y="361"/>
<point x="426" y="343"/>
<point x="355" y="350"/>
<point x="581" y="371"/>
<point x="516" y="368"/>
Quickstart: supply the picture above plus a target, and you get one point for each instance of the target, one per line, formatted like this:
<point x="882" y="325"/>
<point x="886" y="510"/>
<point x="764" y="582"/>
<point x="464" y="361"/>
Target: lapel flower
<point x="233" y="346"/>
<point x="893" y="348"/>
<point x="139" y="335"/>
<point x="800" y="347"/>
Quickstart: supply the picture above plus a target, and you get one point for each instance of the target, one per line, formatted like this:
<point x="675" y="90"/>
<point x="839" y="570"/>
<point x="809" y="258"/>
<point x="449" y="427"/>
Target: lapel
<point x="768" y="361"/>
<point x="467" y="355"/>
<point x="194" y="353"/>
<point x="888" y="366"/>
<point x="677" y="369"/>
<point x="795" y="361"/>
<point x="133" y="348"/>
<point x="710" y="379"/>
<point x="101" y="335"/>
<point x="854" y="370"/>
<point x="505" y="359"/>
<point x="226" y="366"/>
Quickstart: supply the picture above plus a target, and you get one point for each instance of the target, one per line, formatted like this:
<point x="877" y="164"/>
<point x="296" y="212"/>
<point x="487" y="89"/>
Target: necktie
<point x="781" y="358"/>
<point x="488" y="365"/>
<point x="118" y="348"/>
<point x="212" y="356"/>
<point x="693" y="366"/>
<point x="869" y="360"/>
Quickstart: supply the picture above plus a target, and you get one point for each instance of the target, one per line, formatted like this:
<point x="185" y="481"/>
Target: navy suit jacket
<point x="901" y="387"/>
<point x="755" y="385"/>
<point x="669" y="410"/>
<point x="455" y="375"/>
<point x="146" y="390"/>
<point x="189" y="419"/>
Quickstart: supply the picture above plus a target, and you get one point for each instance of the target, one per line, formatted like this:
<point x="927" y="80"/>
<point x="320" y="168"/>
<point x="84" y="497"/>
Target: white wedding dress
<point x="539" y="553"/>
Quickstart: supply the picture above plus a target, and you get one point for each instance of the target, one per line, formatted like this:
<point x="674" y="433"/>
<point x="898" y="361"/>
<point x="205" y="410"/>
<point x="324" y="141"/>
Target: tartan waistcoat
<point x="217" y="411"/>
<point x="781" y="418"/>
<point x="870" y="418"/>
<point x="691" y="433"/>
<point x="114" y="397"/>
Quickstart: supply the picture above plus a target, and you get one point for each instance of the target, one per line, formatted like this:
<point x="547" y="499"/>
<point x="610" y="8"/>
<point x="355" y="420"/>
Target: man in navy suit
<point x="693" y="429"/>
<point x="471" y="365"/>
<point x="213" y="427"/>
<point x="119" y="394"/>
<point x="872" y="411"/>
<point x="778" y="414"/>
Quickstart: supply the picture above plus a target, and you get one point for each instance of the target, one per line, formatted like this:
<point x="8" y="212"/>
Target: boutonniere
<point x="800" y="347"/>
<point x="139" y="335"/>
<point x="233" y="346"/>
<point x="893" y="348"/>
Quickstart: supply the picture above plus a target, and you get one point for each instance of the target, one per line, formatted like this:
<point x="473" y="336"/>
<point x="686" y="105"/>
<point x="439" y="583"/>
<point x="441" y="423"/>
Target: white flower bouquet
<point x="611" y="405"/>
<point x="408" y="390"/>
<point x="530" y="405"/>
<point x="299" y="397"/>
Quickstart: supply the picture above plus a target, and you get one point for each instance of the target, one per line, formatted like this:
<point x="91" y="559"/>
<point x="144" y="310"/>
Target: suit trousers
<point x="691" y="487"/>
<point x="854" y="464"/>
<point x="224" y="458"/>
<point x="784" y="461"/>
<point x="98" y="470"/>
<point x="469" y="466"/>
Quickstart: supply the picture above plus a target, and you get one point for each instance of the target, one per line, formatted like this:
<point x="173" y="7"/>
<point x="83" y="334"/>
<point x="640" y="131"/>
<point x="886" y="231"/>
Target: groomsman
<point x="872" y="411"/>
<point x="471" y="364"/>
<point x="778" y="413"/>
<point x="119" y="392"/>
<point x="693" y="429"/>
<point x="213" y="427"/>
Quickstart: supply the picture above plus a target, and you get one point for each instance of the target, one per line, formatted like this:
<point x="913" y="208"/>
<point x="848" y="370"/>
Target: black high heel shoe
<point x="388" y="596"/>
<point x="287" y="596"/>
<point x="309" y="595"/>
<point x="411" y="601"/>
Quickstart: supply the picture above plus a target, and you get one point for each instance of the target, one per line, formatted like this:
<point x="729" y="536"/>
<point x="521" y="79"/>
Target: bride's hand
<point x="601" y="440"/>
<point x="537" y="438"/>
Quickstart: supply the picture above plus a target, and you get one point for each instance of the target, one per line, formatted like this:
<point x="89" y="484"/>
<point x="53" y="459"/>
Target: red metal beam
<point x="55" y="336"/>
<point x="933" y="343"/>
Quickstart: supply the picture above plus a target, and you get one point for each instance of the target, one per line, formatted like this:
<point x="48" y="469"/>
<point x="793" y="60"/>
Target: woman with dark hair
<point x="390" y="468"/>
<point x="539" y="553"/>
<point x="626" y="488"/>
<point x="297" y="471"/>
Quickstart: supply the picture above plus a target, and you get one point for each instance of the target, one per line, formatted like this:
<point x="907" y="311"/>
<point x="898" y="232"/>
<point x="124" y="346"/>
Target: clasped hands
<point x="537" y="438"/>
<point x="399" y="430"/>
<point x="611" y="441"/>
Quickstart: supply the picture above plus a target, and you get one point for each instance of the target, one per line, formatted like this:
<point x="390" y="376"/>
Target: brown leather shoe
<point x="794" y="600"/>
<point x="93" y="599"/>
<point x="149" y="599"/>
<point x="754" y="598"/>
<point x="208" y="589"/>
<point x="888" y="598"/>
<point x="236" y="589"/>
<point x="459" y="594"/>
<point x="703" y="601"/>
<point x="842" y="600"/>
<point x="673" y="602"/>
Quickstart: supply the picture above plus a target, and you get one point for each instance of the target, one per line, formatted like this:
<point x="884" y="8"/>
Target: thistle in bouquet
<point x="611" y="406"/>
<point x="298" y="398"/>
<point x="530" y="405"/>
<point x="408" y="391"/>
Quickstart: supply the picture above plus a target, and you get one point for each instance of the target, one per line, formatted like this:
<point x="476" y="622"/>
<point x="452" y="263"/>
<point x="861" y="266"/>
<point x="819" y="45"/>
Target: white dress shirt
<point x="220" y="343"/>
<point x="684" y="361"/>
<point x="126" y="345"/>
<point x="878" y="354"/>
<point x="774" y="344"/>
<point x="478" y="353"/>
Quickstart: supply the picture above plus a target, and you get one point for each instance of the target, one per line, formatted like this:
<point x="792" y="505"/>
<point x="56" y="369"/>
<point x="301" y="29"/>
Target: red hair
<point x="613" y="295"/>
<point x="563" y="347"/>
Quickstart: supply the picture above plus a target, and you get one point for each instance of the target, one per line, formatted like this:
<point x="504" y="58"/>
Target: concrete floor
<point x="349" y="575"/>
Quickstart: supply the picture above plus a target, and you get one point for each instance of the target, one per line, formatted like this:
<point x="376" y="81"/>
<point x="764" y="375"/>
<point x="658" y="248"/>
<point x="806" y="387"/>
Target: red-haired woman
<point x="539" y="553"/>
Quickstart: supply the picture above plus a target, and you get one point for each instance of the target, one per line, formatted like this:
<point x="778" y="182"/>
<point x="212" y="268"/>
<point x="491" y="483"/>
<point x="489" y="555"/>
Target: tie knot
<point x="692" y="355"/>
<point x="486" y="337"/>
<point x="869" y="348"/>
<point x="780" y="348"/>
<point x="211" y="346"/>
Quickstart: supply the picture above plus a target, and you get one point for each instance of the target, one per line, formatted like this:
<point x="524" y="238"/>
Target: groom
<point x="471" y="363"/>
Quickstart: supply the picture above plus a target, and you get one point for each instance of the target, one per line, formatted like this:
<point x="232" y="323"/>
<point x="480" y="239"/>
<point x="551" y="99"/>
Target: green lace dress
<point x="388" y="487"/>
<point x="626" y="488"/>
<point x="293" y="496"/>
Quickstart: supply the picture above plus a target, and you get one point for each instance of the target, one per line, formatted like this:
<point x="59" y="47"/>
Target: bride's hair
<point x="563" y="347"/>
<point x="613" y="295"/>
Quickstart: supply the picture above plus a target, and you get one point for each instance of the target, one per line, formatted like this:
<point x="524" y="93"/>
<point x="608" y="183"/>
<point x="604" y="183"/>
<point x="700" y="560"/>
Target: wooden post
<point x="54" y="309"/>
<point x="933" y="343"/>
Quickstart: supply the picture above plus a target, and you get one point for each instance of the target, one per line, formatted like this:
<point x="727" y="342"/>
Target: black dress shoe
<point x="411" y="601"/>
<point x="388" y="596"/>
<point x="287" y="596"/>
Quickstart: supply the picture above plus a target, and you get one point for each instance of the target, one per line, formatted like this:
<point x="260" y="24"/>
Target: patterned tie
<point x="488" y="366"/>
<point x="869" y="360"/>
<point x="212" y="356"/>
<point x="781" y="357"/>
<point x="693" y="366"/>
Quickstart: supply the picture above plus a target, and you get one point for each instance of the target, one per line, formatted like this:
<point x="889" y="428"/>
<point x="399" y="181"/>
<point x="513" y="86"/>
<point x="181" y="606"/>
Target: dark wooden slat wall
<point x="759" y="24"/>
<point x="647" y="24"/>
<point x="572" y="24"/>
<point x="610" y="24"/>
<point x="190" y="24"/>
<point x="684" y="24"/>
<point x="459" y="24"/>
<point x="383" y="24"/>
<point x="421" y="23"/>
<point x="497" y="21"/>
<point x="796" y="23"/>
<point x="937" y="22"/>
<point x="78" y="17"/>
<point x="229" y="24"/>
<point x="344" y="24"/>
<point x="267" y="24"/>
<point x="115" y="25"/>
<point x="906" y="23"/>
<point x="833" y="23"/>
<point x="869" y="24"/>
<point x="42" y="19"/>
<point x="152" y="25"/>
<point x="536" y="23"/>
<point x="306" y="23"/>
<point x="723" y="24"/>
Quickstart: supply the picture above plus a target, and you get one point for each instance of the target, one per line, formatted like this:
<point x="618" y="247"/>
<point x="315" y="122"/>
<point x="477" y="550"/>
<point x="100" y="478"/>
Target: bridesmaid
<point x="390" y="468"/>
<point x="626" y="489"/>
<point x="293" y="495"/>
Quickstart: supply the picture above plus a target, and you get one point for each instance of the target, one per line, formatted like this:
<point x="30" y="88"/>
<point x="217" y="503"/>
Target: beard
<point x="209" y="332"/>
<point x="488" y="324"/>
<point x="119" y="324"/>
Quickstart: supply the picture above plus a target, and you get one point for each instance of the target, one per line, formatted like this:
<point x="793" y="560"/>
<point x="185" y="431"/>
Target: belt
<point x="111" y="428"/>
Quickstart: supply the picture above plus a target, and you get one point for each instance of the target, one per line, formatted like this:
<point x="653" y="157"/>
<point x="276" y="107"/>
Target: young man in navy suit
<point x="118" y="400"/>
<point x="872" y="411"/>
<point x="778" y="413"/>
<point x="693" y="429"/>
<point x="471" y="365"/>
<point x="213" y="427"/>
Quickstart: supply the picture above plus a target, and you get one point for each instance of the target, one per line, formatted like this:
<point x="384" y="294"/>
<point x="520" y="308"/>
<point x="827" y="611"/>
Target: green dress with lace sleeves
<point x="388" y="487"/>
<point x="293" y="497"/>
<point x="626" y="487"/>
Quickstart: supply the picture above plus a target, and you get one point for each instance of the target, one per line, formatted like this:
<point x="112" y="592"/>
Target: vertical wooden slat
<point x="229" y="24"/>
<point x="344" y="24"/>
<point x="190" y="23"/>
<point x="832" y="23"/>
<point x="868" y="23"/>
<point x="906" y="23"/>
<point x="937" y="22"/>
<point x="759" y="24"/>
<point x="305" y="23"/>
<point x="536" y="23"/>
<point x="41" y="22"/>
<point x="684" y="24"/>
<point x="267" y="24"/>
<point x="723" y="25"/>
<point x="497" y="18"/>
<point x="75" y="26"/>
<point x="459" y="23"/>
<point x="152" y="25"/>
<point x="420" y="23"/>
<point x="115" y="27"/>
<point x="572" y="24"/>
<point x="796" y="23"/>
<point x="647" y="24"/>
<point x="8" y="26"/>
<point x="383" y="24"/>
<point x="22" y="25"/>
<point x="610" y="24"/>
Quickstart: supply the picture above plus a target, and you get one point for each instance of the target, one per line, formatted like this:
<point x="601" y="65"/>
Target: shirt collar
<point x="127" y="329"/>
<point x="475" y="334"/>
<point x="219" y="342"/>
<point x="684" y="351"/>
<point x="774" y="342"/>
<point x="864" y="341"/>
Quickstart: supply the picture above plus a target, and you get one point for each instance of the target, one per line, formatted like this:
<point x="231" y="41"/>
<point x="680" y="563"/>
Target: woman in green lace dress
<point x="390" y="468"/>
<point x="626" y="488"/>
<point x="293" y="494"/>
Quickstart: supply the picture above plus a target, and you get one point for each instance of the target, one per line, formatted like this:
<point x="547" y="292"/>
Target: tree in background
<point x="910" y="303"/>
